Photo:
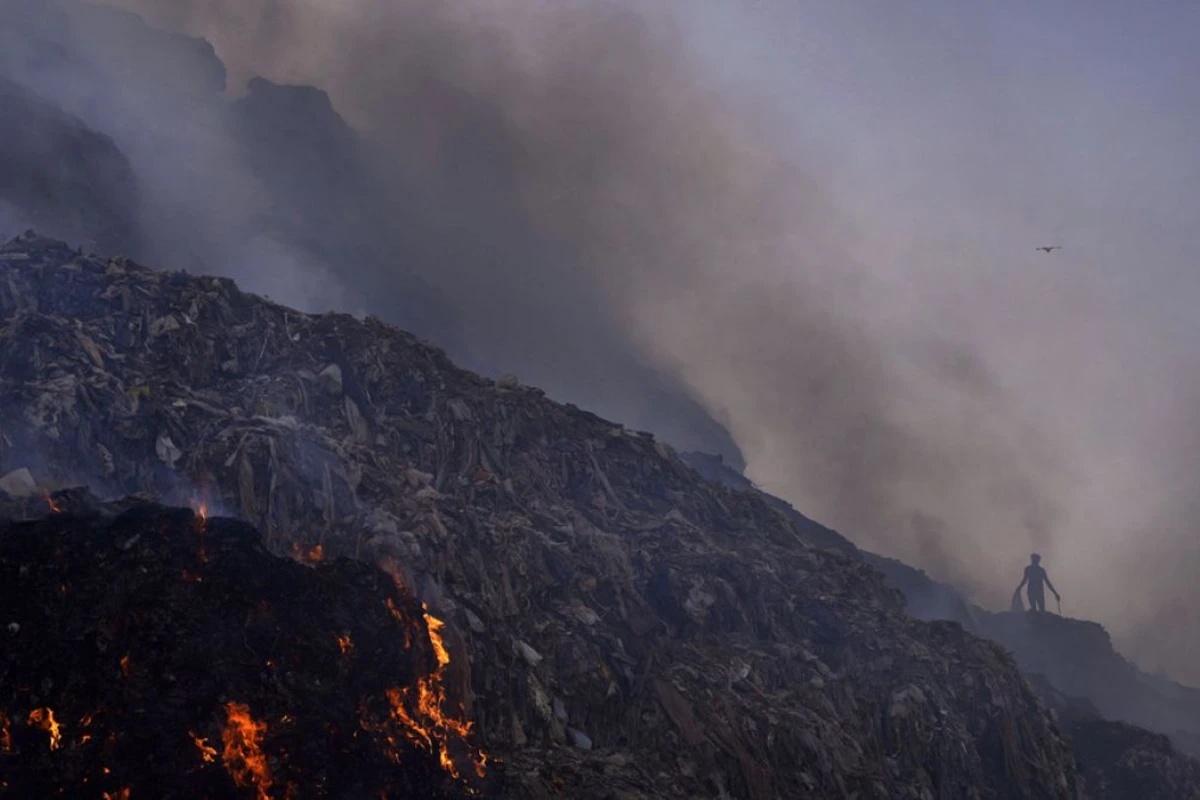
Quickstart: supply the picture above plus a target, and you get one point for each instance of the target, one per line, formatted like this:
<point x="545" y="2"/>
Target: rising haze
<point x="817" y="218"/>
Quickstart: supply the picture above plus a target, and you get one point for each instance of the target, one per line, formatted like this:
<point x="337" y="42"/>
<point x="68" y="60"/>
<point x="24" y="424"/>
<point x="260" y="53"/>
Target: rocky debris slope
<point x="1119" y="760"/>
<point x="1078" y="657"/>
<point x="925" y="598"/>
<point x="154" y="652"/>
<point x="1069" y="655"/>
<point x="619" y="627"/>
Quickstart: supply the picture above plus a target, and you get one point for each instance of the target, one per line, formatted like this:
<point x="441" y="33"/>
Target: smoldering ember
<point x="254" y="552"/>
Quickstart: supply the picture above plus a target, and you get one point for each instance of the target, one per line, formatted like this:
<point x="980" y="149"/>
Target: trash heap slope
<point x="150" y="652"/>
<point x="1078" y="657"/>
<point x="626" y="628"/>
<point x="1119" y="760"/>
<point x="925" y="598"/>
<point x="1074" y="656"/>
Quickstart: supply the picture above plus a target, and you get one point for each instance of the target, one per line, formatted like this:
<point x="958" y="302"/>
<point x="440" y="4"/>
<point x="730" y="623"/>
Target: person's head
<point x="1034" y="558"/>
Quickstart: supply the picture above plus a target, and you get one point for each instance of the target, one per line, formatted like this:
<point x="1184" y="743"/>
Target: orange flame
<point x="439" y="645"/>
<point x="120" y="794"/>
<point x="399" y="617"/>
<point x="395" y="612"/>
<point x="44" y="719"/>
<point x="208" y="753"/>
<point x="420" y="710"/>
<point x="314" y="555"/>
<point x="125" y="665"/>
<point x="5" y="733"/>
<point x="243" y="754"/>
<point x="346" y="645"/>
<point x="55" y="507"/>
<point x="200" y="507"/>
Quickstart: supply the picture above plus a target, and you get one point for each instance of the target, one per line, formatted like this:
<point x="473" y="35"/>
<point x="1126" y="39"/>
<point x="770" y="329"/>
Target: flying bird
<point x="1048" y="249"/>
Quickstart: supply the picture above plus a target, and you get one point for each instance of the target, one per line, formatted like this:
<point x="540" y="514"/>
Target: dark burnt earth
<point x="149" y="652"/>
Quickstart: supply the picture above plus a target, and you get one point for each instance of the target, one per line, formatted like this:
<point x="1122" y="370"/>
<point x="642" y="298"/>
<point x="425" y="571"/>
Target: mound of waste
<point x="154" y="652"/>
<point x="1119" y="760"/>
<point x="626" y="628"/>
<point x="925" y="598"/>
<point x="1078" y="657"/>
<point x="1061" y="654"/>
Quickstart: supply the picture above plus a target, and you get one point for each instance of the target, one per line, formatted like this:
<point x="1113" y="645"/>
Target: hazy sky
<point x="964" y="134"/>
<point x="960" y="136"/>
<point x="820" y="217"/>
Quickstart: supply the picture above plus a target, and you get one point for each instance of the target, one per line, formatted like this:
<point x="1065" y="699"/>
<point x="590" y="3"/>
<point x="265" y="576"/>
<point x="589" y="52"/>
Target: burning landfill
<point x="152" y="652"/>
<point x="437" y="586"/>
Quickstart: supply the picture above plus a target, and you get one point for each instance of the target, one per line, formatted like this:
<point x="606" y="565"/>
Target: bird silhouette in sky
<point x="1048" y="249"/>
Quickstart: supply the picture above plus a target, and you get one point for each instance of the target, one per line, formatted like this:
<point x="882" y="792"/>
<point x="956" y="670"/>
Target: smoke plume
<point x="599" y="208"/>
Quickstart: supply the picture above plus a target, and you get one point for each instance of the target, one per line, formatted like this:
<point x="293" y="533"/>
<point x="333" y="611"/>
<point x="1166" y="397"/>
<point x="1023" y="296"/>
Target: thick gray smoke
<point x="601" y="212"/>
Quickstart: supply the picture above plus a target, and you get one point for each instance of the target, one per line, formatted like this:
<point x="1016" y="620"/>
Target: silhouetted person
<point x="1036" y="577"/>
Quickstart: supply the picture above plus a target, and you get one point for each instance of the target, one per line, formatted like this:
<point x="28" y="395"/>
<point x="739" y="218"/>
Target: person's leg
<point x="1037" y="602"/>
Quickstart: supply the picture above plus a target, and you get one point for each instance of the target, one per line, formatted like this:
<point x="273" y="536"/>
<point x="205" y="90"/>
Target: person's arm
<point x="1024" y="579"/>
<point x="1051" y="585"/>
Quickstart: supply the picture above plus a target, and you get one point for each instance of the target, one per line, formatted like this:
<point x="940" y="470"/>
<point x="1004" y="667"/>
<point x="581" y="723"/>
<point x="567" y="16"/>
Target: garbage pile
<point x="151" y="652"/>
<point x="1079" y="656"/>
<point x="1119" y="760"/>
<point x="925" y="598"/>
<point x="626" y="629"/>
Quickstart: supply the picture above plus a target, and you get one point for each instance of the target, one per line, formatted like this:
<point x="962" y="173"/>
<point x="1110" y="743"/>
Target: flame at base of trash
<point x="312" y="556"/>
<point x="6" y="745"/>
<point x="243" y="755"/>
<point x="207" y="752"/>
<point x="44" y="719"/>
<point x="422" y="720"/>
<point x="420" y="712"/>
